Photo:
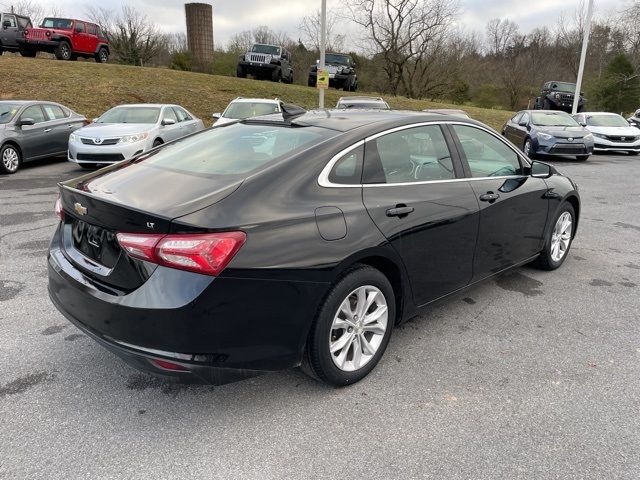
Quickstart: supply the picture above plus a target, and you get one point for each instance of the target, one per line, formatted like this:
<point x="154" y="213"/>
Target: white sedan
<point x="611" y="132"/>
<point x="129" y="130"/>
<point x="243" y="108"/>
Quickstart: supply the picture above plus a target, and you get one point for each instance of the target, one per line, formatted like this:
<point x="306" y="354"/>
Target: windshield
<point x="334" y="59"/>
<point x="553" y="119"/>
<point x="242" y="110"/>
<point x="606" y="121"/>
<point x="8" y="111"/>
<point x="130" y="115"/>
<point x="268" y="49"/>
<point x="59" y="23"/>
<point x="235" y="149"/>
<point x="564" y="87"/>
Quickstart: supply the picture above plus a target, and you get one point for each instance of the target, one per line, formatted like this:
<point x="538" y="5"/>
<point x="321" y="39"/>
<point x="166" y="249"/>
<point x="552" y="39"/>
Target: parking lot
<point x="531" y="375"/>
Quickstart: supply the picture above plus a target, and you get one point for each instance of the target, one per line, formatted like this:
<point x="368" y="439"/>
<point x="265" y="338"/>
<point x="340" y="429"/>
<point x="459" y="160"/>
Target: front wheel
<point x="528" y="149"/>
<point x="276" y="75"/>
<point x="631" y="152"/>
<point x="27" y="52"/>
<point x="10" y="159"/>
<point x="241" y="72"/>
<point x="63" y="52"/>
<point x="582" y="158"/>
<point x="352" y="329"/>
<point x="558" y="240"/>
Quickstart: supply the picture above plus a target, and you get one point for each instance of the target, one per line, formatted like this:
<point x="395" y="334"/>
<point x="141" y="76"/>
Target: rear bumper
<point x="221" y="329"/>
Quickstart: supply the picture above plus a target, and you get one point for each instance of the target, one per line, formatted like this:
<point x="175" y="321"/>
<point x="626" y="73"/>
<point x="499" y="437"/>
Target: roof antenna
<point x="290" y="111"/>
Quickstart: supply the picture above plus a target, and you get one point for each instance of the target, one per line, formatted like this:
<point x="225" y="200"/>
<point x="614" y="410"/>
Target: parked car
<point x="448" y="111"/>
<point x="558" y="96"/>
<point x="242" y="108"/>
<point x="611" y="132"/>
<point x="342" y="72"/>
<point x="12" y="27"/>
<point x="67" y="38"/>
<point x="369" y="103"/>
<point x="272" y="62"/>
<point x="546" y="132"/>
<point x="30" y="129"/>
<point x="634" y="120"/>
<point x="129" y="130"/>
<point x="297" y="239"/>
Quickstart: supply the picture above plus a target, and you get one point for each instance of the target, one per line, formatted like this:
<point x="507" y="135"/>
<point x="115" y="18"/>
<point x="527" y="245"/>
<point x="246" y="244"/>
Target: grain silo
<point x="200" y="34"/>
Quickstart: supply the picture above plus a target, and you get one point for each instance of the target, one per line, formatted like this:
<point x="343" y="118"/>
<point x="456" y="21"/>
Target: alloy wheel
<point x="103" y="56"/>
<point x="527" y="148"/>
<point x="10" y="159"/>
<point x="358" y="328"/>
<point x="65" y="51"/>
<point x="561" y="236"/>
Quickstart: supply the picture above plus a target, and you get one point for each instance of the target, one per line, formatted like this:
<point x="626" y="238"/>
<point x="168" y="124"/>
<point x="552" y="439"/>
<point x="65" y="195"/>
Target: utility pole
<point x="583" y="57"/>
<point x="323" y="46"/>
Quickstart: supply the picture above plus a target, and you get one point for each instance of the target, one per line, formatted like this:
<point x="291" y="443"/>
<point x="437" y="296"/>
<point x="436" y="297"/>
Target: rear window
<point x="235" y="149"/>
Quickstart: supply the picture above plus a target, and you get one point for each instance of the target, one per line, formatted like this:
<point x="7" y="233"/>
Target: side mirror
<point x="94" y="120"/>
<point x="216" y="116"/>
<point x="25" y="121"/>
<point x="583" y="124"/>
<point x="168" y="121"/>
<point x="540" y="170"/>
<point x="523" y="124"/>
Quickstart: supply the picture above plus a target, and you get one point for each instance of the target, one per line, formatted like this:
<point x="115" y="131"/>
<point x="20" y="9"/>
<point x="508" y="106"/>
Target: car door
<point x="170" y="132"/>
<point x="189" y="125"/>
<point x="61" y="125"/>
<point x="91" y="37"/>
<point x="513" y="205"/>
<point x="35" y="140"/>
<point x="9" y="31"/>
<point x="521" y="130"/>
<point x="413" y="192"/>
<point x="79" y="37"/>
<point x="510" y="126"/>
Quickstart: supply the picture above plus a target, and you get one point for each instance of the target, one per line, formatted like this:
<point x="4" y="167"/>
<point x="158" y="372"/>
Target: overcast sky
<point x="231" y="16"/>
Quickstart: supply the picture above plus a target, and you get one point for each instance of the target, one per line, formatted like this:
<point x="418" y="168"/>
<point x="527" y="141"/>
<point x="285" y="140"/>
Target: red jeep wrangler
<point x="67" y="39"/>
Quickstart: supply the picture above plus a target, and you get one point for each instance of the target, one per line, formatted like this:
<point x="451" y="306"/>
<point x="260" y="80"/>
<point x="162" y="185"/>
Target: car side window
<point x="169" y="114"/>
<point x="79" y="27"/>
<point x="12" y="21"/>
<point x="416" y="154"/>
<point x="91" y="29"/>
<point x="348" y="170"/>
<point x="182" y="115"/>
<point x="53" y="112"/>
<point x="525" y="118"/>
<point x="487" y="155"/>
<point x="516" y="118"/>
<point x="34" y="112"/>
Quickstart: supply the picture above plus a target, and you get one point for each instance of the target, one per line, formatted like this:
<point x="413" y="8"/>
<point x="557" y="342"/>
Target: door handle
<point x="47" y="130"/>
<point x="399" y="211"/>
<point x="489" y="197"/>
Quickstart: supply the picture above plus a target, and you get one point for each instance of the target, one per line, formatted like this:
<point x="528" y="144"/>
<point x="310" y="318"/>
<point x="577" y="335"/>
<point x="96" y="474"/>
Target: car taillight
<point x="206" y="253"/>
<point x="165" y="365"/>
<point x="59" y="210"/>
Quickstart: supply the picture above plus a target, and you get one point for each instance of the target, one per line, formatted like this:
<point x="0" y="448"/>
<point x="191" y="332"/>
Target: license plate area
<point x="92" y="242"/>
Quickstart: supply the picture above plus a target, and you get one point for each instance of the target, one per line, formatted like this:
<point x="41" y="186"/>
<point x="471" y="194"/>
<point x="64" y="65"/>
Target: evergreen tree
<point x="619" y="89"/>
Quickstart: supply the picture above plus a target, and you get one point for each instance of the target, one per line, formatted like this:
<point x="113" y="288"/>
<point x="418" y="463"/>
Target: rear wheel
<point x="558" y="240"/>
<point x="157" y="142"/>
<point x="63" y="52"/>
<point x="10" y="159"/>
<point x="582" y="158"/>
<point x="352" y="329"/>
<point x="546" y="105"/>
<point x="102" y="56"/>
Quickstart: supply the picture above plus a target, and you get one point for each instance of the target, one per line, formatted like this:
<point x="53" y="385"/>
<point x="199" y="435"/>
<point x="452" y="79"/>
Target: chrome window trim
<point x="323" y="178"/>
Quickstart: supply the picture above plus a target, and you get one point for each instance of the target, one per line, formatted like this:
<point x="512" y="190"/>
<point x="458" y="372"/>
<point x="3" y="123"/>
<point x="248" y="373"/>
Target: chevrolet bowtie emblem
<point x="80" y="210"/>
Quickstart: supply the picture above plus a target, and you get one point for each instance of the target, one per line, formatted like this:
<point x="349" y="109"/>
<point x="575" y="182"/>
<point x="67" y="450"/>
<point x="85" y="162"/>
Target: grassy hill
<point x="90" y="88"/>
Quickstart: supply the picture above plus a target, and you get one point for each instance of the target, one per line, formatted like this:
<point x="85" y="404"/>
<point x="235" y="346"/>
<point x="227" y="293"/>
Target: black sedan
<point x="297" y="239"/>
<point x="549" y="132"/>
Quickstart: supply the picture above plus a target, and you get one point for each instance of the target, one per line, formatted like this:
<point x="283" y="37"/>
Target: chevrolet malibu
<point x="129" y="130"/>
<point x="297" y="239"/>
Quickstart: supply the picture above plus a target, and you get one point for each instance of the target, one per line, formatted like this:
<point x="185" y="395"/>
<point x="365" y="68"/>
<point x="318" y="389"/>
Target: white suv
<point x="242" y="108"/>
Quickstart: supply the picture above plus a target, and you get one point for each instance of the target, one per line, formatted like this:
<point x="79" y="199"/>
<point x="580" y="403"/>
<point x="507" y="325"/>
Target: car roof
<point x="345" y="120"/>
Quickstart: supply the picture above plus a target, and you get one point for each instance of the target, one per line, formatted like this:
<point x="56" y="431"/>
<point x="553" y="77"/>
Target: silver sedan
<point x="130" y="130"/>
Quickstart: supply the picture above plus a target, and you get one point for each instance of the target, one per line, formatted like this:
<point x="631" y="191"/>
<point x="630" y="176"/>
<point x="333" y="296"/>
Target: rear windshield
<point x="8" y="111"/>
<point x="235" y="149"/>
<point x="606" y="121"/>
<point x="553" y="120"/>
<point x="364" y="105"/>
<point x="58" y="23"/>
<point x="242" y="110"/>
<point x="130" y="115"/>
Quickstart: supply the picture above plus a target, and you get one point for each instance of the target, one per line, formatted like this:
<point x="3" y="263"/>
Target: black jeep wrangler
<point x="558" y="96"/>
<point x="266" y="62"/>
<point x="12" y="27"/>
<point x="342" y="72"/>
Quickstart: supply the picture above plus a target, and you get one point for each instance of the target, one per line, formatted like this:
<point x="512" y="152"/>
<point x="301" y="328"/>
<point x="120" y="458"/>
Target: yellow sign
<point x="323" y="79"/>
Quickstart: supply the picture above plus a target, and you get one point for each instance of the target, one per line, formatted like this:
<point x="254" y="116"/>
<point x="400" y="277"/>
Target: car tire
<point x="276" y="75"/>
<point x="582" y="158"/>
<point x="633" y="153"/>
<point x="546" y="105"/>
<point x="63" y="51"/>
<point x="311" y="82"/>
<point x="558" y="239"/>
<point x="10" y="159"/>
<point x="27" y="52"/>
<point x="157" y="142"/>
<point x="344" y="329"/>
<point x="348" y="84"/>
<point x="88" y="166"/>
<point x="241" y="72"/>
<point x="102" y="56"/>
<point x="527" y="149"/>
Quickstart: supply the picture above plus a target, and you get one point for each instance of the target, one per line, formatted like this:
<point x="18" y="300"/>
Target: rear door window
<point x="182" y="115"/>
<point x="486" y="154"/>
<point x="348" y="170"/>
<point x="169" y="114"/>
<point x="12" y="21"/>
<point x="91" y="29"/>
<point x="53" y="112"/>
<point x="34" y="112"/>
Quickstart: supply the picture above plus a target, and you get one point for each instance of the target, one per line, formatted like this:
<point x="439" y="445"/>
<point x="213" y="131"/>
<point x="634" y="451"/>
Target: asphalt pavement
<point x="530" y="375"/>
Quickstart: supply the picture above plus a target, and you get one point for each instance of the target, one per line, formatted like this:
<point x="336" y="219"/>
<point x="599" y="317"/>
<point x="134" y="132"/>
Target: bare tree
<point x="310" y="30"/>
<point x="403" y="32"/>
<point x="133" y="37"/>
<point x="32" y="9"/>
<point x="501" y="35"/>
<point x="242" y="42"/>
